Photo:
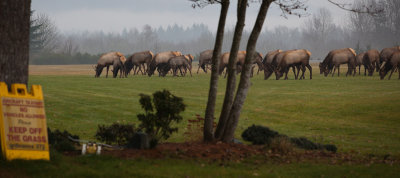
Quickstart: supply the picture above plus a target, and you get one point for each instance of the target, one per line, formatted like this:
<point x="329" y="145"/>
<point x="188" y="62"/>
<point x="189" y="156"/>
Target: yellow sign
<point x="23" y="127"/>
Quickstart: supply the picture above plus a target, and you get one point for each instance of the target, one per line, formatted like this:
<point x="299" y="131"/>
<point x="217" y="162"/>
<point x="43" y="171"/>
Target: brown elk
<point x="277" y="59"/>
<point x="267" y="62"/>
<point x="391" y="64"/>
<point x="180" y="62"/>
<point x="337" y="57"/>
<point x="138" y="60"/>
<point x="257" y="59"/>
<point x="160" y="62"/>
<point x="224" y="60"/>
<point x="205" y="60"/>
<point x="359" y="63"/>
<point x="371" y="61"/>
<point x="116" y="59"/>
<point x="292" y="58"/>
<point x="386" y="53"/>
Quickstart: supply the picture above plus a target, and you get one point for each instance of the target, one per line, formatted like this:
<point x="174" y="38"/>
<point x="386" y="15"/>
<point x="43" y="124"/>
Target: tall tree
<point x="227" y="125"/>
<point x="14" y="43"/>
<point x="244" y="83"/>
<point x="231" y="81"/>
<point x="212" y="94"/>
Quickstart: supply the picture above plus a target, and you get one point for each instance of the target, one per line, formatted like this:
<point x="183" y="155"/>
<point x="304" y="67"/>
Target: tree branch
<point x="372" y="10"/>
<point x="290" y="7"/>
<point x="203" y="3"/>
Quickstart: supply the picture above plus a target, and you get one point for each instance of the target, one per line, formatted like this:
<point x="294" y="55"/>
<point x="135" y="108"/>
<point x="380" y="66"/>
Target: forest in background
<point x="319" y="34"/>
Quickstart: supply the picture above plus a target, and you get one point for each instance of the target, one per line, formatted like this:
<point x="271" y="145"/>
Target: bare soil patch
<point x="62" y="70"/>
<point x="258" y="154"/>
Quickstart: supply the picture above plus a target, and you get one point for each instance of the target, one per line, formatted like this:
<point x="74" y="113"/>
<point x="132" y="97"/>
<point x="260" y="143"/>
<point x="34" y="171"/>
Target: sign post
<point x="23" y="128"/>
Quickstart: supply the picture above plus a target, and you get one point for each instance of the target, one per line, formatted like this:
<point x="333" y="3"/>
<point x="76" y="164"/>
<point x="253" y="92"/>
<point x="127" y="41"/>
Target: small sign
<point x="23" y="123"/>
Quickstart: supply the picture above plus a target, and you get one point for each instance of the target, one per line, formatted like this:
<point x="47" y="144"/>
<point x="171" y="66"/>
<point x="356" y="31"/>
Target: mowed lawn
<point x="359" y="113"/>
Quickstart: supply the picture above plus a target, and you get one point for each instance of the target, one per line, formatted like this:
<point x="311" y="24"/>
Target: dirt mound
<point x="223" y="152"/>
<point x="214" y="151"/>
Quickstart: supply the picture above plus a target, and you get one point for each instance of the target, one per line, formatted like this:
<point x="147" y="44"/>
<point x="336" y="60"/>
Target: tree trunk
<point x="231" y="82"/>
<point x="14" y="43"/>
<point x="244" y="83"/>
<point x="212" y="95"/>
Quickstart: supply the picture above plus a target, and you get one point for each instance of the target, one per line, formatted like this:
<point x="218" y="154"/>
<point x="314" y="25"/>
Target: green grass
<point x="105" y="166"/>
<point x="355" y="113"/>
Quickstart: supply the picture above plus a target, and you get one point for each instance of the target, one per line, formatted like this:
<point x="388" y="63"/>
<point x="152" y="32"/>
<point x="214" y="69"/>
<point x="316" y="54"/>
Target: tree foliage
<point x="116" y="133"/>
<point x="161" y="112"/>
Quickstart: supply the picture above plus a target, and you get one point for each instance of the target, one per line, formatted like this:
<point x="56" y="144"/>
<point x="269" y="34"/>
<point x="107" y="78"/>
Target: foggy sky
<point x="116" y="15"/>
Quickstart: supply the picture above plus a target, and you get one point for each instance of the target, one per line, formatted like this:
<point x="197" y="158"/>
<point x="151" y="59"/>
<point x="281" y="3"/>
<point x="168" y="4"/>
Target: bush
<point x="59" y="140"/>
<point x="330" y="147"/>
<point x="158" y="124"/>
<point x="115" y="134"/>
<point x="304" y="143"/>
<point x="259" y="135"/>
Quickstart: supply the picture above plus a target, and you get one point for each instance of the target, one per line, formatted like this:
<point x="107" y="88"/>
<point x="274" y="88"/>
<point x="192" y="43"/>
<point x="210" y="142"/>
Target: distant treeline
<point x="319" y="34"/>
<point x="61" y="59"/>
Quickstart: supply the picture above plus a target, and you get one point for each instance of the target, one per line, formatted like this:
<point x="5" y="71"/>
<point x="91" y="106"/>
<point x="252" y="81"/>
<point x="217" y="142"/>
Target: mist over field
<point x="318" y="32"/>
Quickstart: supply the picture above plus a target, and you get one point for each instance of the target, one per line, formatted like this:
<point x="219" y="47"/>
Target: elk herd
<point x="277" y="61"/>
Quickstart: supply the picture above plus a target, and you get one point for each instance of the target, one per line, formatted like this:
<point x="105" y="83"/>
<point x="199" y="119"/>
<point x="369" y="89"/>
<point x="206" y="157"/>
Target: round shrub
<point x="259" y="135"/>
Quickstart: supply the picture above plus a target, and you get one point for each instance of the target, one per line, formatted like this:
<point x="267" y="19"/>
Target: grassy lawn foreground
<point x="357" y="114"/>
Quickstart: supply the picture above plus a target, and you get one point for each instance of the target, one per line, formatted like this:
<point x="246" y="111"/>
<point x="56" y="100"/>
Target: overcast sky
<point x="116" y="15"/>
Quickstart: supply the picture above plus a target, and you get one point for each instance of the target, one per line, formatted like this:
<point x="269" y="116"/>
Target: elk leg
<point x="190" y="71"/>
<point x="398" y="69"/>
<point x="338" y="70"/>
<point x="310" y="69"/>
<point x="334" y="70"/>
<point x="303" y="69"/>
<point x="180" y="70"/>
<point x="286" y="73"/>
<point x="294" y="72"/>
<point x="393" y="68"/>
<point x="365" y="70"/>
<point x="140" y="69"/>
<point x="107" y="71"/>
<point x="135" y="70"/>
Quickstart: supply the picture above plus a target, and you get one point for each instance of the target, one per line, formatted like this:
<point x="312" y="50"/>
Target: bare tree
<point x="14" y="43"/>
<point x="231" y="81"/>
<point x="69" y="46"/>
<point x="212" y="94"/>
<point x="49" y="34"/>
<point x="229" y="125"/>
<point x="316" y="30"/>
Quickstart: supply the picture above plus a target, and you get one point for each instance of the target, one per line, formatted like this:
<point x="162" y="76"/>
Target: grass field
<point x="357" y="114"/>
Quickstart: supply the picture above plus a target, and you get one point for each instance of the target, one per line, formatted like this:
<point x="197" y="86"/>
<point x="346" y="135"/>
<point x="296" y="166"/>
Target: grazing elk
<point x="371" y="61"/>
<point x="391" y="64"/>
<point x="337" y="57"/>
<point x="205" y="60"/>
<point x="224" y="60"/>
<point x="257" y="59"/>
<point x="277" y="59"/>
<point x="386" y="53"/>
<point x="160" y="62"/>
<point x="181" y="63"/>
<point x="267" y="62"/>
<point x="116" y="59"/>
<point x="359" y="62"/>
<point x="299" y="58"/>
<point x="138" y="60"/>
